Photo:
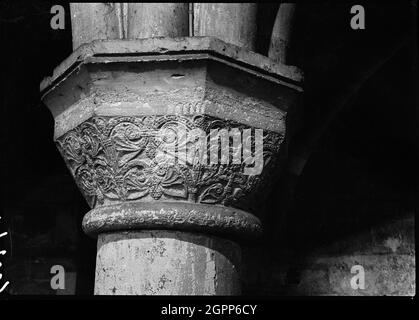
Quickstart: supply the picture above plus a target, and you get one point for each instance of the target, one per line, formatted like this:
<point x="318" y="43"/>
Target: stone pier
<point x="167" y="228"/>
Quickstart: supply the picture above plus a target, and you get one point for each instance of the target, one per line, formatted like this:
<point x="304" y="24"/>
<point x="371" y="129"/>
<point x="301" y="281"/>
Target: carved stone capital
<point x="137" y="123"/>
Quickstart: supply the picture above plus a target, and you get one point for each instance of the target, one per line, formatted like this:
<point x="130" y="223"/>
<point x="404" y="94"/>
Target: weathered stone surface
<point x="209" y="219"/>
<point x="384" y="275"/>
<point x="94" y="21"/>
<point x="146" y="49"/>
<point x="109" y="110"/>
<point x="232" y="22"/>
<point x="147" y="20"/>
<point x="279" y="48"/>
<point x="385" y="251"/>
<point x="111" y="100"/>
<point x="197" y="87"/>
<point x="166" y="263"/>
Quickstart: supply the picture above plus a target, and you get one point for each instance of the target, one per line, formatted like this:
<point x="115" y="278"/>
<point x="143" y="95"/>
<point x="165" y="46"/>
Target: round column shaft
<point x="98" y="21"/>
<point x="147" y="20"/>
<point x="232" y="22"/>
<point x="281" y="33"/>
<point x="164" y="262"/>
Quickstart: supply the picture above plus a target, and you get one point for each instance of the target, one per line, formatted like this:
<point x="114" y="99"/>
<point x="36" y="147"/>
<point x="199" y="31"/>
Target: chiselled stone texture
<point x="112" y="99"/>
<point x="115" y="159"/>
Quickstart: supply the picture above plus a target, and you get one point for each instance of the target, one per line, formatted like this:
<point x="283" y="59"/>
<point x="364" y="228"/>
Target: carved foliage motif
<point x="115" y="159"/>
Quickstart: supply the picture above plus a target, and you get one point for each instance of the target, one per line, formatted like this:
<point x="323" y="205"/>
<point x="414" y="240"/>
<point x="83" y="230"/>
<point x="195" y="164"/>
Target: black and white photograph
<point x="241" y="152"/>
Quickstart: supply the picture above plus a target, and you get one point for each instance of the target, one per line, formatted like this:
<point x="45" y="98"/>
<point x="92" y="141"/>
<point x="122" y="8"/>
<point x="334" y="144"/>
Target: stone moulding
<point x="159" y="47"/>
<point x="111" y="97"/>
<point x="209" y="219"/>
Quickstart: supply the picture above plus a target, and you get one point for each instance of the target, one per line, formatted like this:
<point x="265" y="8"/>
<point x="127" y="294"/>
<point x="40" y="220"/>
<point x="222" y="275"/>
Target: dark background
<point x="361" y="173"/>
